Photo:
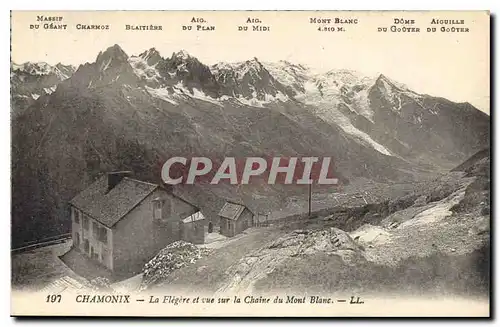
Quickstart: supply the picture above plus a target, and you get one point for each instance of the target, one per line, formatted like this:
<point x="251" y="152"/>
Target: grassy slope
<point x="435" y="274"/>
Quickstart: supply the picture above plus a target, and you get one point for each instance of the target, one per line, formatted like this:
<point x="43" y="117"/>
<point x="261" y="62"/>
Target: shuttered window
<point x="95" y="229"/>
<point x="85" y="222"/>
<point x="157" y="209"/>
<point x="76" y="215"/>
<point x="103" y="235"/>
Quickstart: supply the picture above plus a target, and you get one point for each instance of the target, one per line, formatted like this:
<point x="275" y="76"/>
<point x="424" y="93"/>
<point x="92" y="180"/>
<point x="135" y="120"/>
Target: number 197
<point x="53" y="298"/>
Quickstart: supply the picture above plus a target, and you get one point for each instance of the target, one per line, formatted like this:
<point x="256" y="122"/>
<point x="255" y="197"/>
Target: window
<point x="85" y="222"/>
<point x="76" y="215"/>
<point x="103" y="235"/>
<point x="95" y="229"/>
<point x="157" y="209"/>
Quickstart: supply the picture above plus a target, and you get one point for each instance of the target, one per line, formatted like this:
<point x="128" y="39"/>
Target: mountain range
<point x="31" y="80"/>
<point x="134" y="112"/>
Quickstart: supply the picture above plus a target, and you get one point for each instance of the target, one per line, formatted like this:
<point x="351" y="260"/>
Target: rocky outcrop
<point x="257" y="265"/>
<point x="172" y="257"/>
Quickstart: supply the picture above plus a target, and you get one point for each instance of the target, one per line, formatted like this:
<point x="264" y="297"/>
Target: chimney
<point x="116" y="177"/>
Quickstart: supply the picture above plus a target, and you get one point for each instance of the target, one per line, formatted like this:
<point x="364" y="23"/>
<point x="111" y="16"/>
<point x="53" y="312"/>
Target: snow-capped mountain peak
<point x="344" y="98"/>
<point x="182" y="54"/>
<point x="41" y="69"/>
<point x="290" y="75"/>
<point x="180" y="100"/>
<point x="36" y="68"/>
<point x="113" y="56"/>
<point x="252" y="66"/>
<point x="151" y="56"/>
<point x="64" y="71"/>
<point x="31" y="81"/>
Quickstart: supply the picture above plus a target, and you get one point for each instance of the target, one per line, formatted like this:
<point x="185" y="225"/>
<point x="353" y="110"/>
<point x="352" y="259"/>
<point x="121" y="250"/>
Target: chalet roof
<point x="197" y="216"/>
<point x="231" y="210"/>
<point x="110" y="207"/>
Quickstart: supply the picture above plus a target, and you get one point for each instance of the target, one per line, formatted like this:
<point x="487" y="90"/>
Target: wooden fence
<point x="41" y="243"/>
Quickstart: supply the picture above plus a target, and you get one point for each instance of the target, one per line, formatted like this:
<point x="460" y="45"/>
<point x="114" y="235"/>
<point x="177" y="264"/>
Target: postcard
<point x="250" y="163"/>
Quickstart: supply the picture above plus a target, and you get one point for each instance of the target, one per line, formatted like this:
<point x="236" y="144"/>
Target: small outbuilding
<point x="235" y="218"/>
<point x="193" y="228"/>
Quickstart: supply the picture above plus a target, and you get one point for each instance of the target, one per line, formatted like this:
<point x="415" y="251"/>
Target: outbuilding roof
<point x="197" y="216"/>
<point x="231" y="210"/>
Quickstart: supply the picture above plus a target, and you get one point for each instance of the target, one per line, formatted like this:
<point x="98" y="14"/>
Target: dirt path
<point x="242" y="276"/>
<point x="38" y="268"/>
<point x="208" y="274"/>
